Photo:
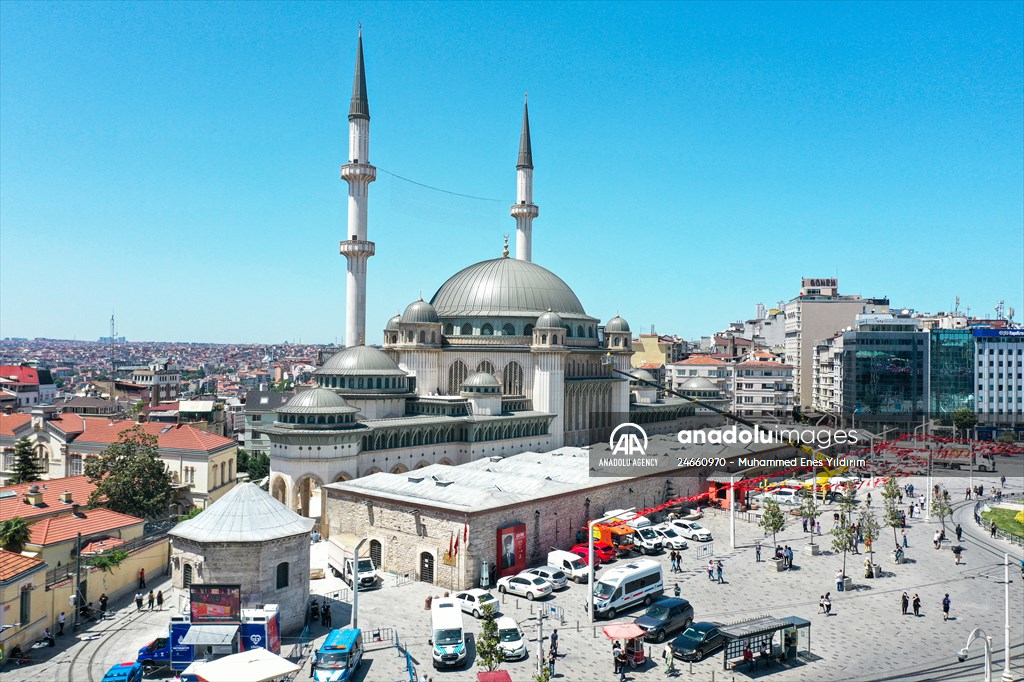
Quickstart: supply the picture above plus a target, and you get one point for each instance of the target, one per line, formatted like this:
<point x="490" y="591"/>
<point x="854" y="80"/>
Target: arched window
<point x="579" y="331"/>
<point x="486" y="366"/>
<point x="433" y="337"/>
<point x="223" y="471"/>
<point x="457" y="373"/>
<point x="423" y="336"/>
<point x="282" y="575"/>
<point x="543" y="338"/>
<point x="615" y="342"/>
<point x="448" y="330"/>
<point x="376" y="553"/>
<point x="487" y="330"/>
<point x="186" y="576"/>
<point x="231" y="468"/>
<point x="590" y="332"/>
<point x="528" y="330"/>
<point x="508" y="330"/>
<point x="512" y="379"/>
<point x="568" y="331"/>
<point x="467" y="329"/>
<point x="554" y="338"/>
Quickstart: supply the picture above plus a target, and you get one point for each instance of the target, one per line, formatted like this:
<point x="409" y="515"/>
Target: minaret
<point x="524" y="210"/>
<point x="358" y="173"/>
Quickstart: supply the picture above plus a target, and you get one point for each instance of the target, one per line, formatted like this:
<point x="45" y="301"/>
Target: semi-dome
<point x="420" y="312"/>
<point x="361" y="361"/>
<point x="315" y="401"/>
<point x="481" y="380"/>
<point x="505" y="287"/>
<point x="392" y="325"/>
<point x="643" y="374"/>
<point x="617" y="324"/>
<point x="550" y="320"/>
<point x="698" y="384"/>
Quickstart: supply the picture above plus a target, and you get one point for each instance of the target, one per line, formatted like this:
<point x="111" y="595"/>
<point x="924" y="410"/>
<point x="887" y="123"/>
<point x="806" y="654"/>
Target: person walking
<point x="817" y="527"/>
<point x="61" y="620"/>
<point x="993" y="528"/>
<point x="945" y="607"/>
<point x="757" y="551"/>
<point x="959" y="532"/>
<point x="620" y="660"/>
<point x="616" y="650"/>
<point x="142" y="578"/>
<point x="554" y="640"/>
<point x="917" y="605"/>
<point x="718" y="567"/>
<point x="104" y="600"/>
<point x="905" y="603"/>
<point x="552" y="657"/>
<point x="711" y="570"/>
<point x="151" y="599"/>
<point x="676" y="590"/>
<point x="937" y="539"/>
<point x="329" y="616"/>
<point x="138" y="601"/>
<point x="670" y="659"/>
<point x="159" y="600"/>
<point x="828" y="603"/>
<point x="821" y="604"/>
<point x="840" y="580"/>
<point x="905" y="544"/>
<point x="312" y="662"/>
<point x="911" y="510"/>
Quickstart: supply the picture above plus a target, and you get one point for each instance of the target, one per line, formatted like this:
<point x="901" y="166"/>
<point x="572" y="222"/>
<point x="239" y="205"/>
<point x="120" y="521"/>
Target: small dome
<point x="420" y="312"/>
<point x="392" y="325"/>
<point x="361" y="361"/>
<point x="643" y="374"/>
<point x="481" y="380"/>
<point x="550" y="320"/>
<point x="315" y="401"/>
<point x="698" y="384"/>
<point x="617" y="324"/>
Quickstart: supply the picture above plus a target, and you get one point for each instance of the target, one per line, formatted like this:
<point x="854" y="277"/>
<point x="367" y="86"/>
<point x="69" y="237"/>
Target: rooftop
<point x="104" y="431"/>
<point x="12" y="565"/>
<point x="10" y="422"/>
<point x="245" y="514"/>
<point x="12" y="497"/>
<point x="65" y="527"/>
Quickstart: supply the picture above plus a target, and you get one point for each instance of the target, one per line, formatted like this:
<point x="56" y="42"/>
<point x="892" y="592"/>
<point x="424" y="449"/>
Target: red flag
<point x="450" y="537"/>
<point x="456" y="545"/>
<point x="465" y="533"/>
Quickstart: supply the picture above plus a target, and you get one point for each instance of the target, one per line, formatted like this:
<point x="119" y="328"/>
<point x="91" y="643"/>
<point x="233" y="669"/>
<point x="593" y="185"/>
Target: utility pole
<point x="78" y="583"/>
<point x="1007" y="673"/>
<point x="540" y="641"/>
<point x="355" y="583"/>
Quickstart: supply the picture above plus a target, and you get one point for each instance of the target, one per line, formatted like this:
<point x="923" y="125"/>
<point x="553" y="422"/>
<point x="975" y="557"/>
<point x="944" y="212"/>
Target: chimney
<point x="33" y="496"/>
<point x="65" y="497"/>
<point x="75" y="511"/>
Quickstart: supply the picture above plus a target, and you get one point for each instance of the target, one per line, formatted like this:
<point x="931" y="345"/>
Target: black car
<point x="697" y="641"/>
<point x="665" y="616"/>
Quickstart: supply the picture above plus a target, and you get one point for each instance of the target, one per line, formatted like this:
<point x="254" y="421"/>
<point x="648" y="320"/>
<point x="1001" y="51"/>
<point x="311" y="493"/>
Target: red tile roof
<point x="26" y="375"/>
<point x="100" y="546"/>
<point x="700" y="360"/>
<point x="169" y="436"/>
<point x="651" y="365"/>
<point x="79" y="487"/>
<point x="12" y="565"/>
<point x="92" y="521"/>
<point x="9" y="422"/>
<point x="69" y="422"/>
<point x="774" y="365"/>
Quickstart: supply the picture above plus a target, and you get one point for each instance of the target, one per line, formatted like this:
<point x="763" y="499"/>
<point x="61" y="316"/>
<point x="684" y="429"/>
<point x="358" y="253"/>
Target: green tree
<point x="844" y="537"/>
<point x="14" y="534"/>
<point x="488" y="646"/>
<point x="772" y="519"/>
<point x="134" y="409"/>
<point x="941" y="507"/>
<point x="964" y="419"/>
<point x="809" y="510"/>
<point x="1006" y="437"/>
<point x="130" y="476"/>
<point x="26" y="466"/>
<point x="890" y="506"/>
<point x="869" y="530"/>
<point x="190" y="514"/>
<point x="256" y="464"/>
<point x="108" y="561"/>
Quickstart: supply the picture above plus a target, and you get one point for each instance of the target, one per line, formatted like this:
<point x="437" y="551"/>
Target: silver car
<point x="553" y="575"/>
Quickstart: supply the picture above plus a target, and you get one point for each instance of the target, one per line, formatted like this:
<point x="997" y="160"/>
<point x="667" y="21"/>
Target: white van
<point x="647" y="540"/>
<point x="623" y="586"/>
<point x="448" y="637"/>
<point x="571" y="564"/>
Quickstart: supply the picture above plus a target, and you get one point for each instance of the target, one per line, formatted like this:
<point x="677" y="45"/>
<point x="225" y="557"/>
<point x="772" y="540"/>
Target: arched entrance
<point x="308" y="497"/>
<point x="376" y="554"/>
<point x="279" y="490"/>
<point x="427" y="567"/>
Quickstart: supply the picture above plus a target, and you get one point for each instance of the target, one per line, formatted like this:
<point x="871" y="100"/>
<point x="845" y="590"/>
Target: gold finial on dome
<point x="504" y="253"/>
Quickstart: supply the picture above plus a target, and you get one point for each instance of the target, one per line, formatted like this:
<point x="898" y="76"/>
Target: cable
<point x="438" y="189"/>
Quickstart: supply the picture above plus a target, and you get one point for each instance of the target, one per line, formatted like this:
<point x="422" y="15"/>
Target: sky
<point x="177" y="163"/>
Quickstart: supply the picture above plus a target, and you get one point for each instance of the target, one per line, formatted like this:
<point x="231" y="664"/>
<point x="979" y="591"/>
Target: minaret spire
<point x="358" y="173"/>
<point x="524" y="210"/>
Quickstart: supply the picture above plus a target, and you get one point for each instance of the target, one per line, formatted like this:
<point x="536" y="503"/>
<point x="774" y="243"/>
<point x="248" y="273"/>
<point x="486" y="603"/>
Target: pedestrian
<point x="620" y="660"/>
<point x="967" y="493"/>
<point x="917" y="605"/>
<point x="869" y="499"/>
<point x="911" y="510"/>
<point x="711" y="569"/>
<point x="60" y="623"/>
<point x="840" y="579"/>
<point x="945" y="607"/>
<point x="817" y="527"/>
<point x="789" y="557"/>
<point x="616" y="650"/>
<point x="905" y="539"/>
<point x="804" y="520"/>
<point x="719" y="568"/>
<point x="330" y="622"/>
<point x="993" y="528"/>
<point x="828" y="603"/>
<point x="142" y="578"/>
<point x="312" y="663"/>
<point x="151" y="599"/>
<point x="903" y="519"/>
<point x="959" y="532"/>
<point x="138" y="601"/>
<point x="901" y="498"/>
<point x="159" y="600"/>
<point x="956" y="553"/>
<point x="323" y="615"/>
<point x="554" y="640"/>
<point x="1002" y="481"/>
<point x="937" y="539"/>
<point x="757" y="551"/>
<point x="104" y="600"/>
<point x="670" y="659"/>
<point x="676" y="590"/>
<point x="551" y="662"/>
<point x="905" y="603"/>
<point x="821" y="604"/>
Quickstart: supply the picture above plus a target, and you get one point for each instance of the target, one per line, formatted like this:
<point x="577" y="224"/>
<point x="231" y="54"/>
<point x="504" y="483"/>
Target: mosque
<point x="503" y="359"/>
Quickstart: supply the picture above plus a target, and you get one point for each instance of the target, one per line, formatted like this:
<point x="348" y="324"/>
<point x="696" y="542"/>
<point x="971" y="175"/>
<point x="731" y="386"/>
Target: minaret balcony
<point x="525" y="211"/>
<point x="358" y="172"/>
<point x="357" y="248"/>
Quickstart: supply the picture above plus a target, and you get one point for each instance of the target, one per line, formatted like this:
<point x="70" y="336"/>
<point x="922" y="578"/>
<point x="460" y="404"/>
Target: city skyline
<point x="881" y="138"/>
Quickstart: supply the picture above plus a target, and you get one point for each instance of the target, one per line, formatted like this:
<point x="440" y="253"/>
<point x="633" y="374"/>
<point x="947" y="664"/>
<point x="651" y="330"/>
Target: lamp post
<point x="978" y="633"/>
<point x="925" y="424"/>
<point x="591" y="561"/>
<point x="1007" y="673"/>
<point x="355" y="583"/>
<point x="732" y="510"/>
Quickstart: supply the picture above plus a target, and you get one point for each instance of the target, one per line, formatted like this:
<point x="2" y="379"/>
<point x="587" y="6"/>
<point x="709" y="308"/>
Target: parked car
<point x="603" y="550"/>
<point x="647" y="541"/>
<point x="526" y="585"/>
<point x="511" y="639"/>
<point x="691" y="529"/>
<point x="130" y="671"/>
<point x="473" y="601"/>
<point x="697" y="641"/>
<point x="553" y="575"/>
<point x="784" y="496"/>
<point x="670" y="537"/>
<point x="665" y="616"/>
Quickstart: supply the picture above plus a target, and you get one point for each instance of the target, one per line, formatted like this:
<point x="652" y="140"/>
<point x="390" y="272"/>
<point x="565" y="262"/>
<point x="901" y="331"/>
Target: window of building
<point x="186" y="576"/>
<point x="282" y="575"/>
<point x="487" y="330"/>
<point x="467" y="329"/>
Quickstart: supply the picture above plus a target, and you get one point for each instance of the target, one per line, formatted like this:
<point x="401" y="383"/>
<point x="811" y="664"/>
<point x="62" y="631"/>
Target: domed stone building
<point x="247" y="538"/>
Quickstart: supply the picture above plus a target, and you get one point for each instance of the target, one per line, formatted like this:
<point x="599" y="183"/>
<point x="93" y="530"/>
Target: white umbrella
<point x="255" y="665"/>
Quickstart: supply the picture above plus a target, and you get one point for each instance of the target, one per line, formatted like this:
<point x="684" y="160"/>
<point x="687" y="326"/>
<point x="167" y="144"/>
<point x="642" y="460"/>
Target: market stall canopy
<point x="623" y="631"/>
<point x="495" y="676"/>
<point x="255" y="665"/>
<point x="210" y="635"/>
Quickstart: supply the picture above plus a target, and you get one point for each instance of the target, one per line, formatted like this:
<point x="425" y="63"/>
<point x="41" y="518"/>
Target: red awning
<point x="623" y="631"/>
<point x="496" y="676"/>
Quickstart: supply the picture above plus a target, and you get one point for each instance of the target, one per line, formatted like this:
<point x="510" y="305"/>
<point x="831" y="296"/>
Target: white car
<point x="553" y="575"/>
<point x="670" y="537"/>
<point x="691" y="529"/>
<point x="526" y="585"/>
<point x="784" y="496"/>
<point x="474" y="601"/>
<point x="511" y="639"/>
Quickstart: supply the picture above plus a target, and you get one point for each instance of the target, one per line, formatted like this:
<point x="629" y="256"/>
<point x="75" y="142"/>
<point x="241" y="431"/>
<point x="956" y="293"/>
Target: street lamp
<point x="925" y="425"/>
<point x="978" y="633"/>
<point x="1007" y="673"/>
<point x="355" y="583"/>
<point x="591" y="561"/>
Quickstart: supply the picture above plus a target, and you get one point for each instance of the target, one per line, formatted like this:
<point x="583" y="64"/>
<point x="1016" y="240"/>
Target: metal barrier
<point x="1012" y="538"/>
<point x="388" y="636"/>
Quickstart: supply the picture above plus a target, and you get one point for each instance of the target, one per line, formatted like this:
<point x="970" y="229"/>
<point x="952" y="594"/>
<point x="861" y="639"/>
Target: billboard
<point x="511" y="554"/>
<point x="216" y="603"/>
<point x="181" y="654"/>
<point x="262" y="635"/>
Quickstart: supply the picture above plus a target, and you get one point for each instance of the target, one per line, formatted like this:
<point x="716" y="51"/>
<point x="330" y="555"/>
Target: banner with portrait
<point x="511" y="551"/>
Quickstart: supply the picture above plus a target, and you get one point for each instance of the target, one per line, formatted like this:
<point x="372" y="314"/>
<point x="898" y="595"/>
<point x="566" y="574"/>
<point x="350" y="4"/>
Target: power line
<point x="438" y="189"/>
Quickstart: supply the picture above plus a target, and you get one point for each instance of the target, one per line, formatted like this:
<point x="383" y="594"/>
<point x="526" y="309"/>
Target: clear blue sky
<point x="178" y="163"/>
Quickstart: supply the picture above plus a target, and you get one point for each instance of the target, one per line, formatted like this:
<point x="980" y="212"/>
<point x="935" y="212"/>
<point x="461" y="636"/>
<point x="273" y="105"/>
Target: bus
<point x="624" y="586"/>
<point x="448" y="637"/>
<point x="339" y="656"/>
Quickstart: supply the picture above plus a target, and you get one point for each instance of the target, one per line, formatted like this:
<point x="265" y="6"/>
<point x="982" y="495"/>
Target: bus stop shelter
<point x="784" y="639"/>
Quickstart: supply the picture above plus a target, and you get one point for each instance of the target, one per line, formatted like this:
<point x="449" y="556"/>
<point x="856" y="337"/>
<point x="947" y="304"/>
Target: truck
<point x="960" y="457"/>
<point x="619" y="537"/>
<point x="342" y="562"/>
<point x="258" y="629"/>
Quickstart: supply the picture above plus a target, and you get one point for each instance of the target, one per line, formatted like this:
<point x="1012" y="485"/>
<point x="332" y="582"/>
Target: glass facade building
<point x="950" y="372"/>
<point x="884" y="374"/>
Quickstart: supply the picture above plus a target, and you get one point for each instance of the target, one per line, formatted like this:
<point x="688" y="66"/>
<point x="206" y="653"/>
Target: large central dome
<point x="505" y="287"/>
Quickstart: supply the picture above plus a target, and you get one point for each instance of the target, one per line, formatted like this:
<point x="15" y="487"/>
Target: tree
<point x="257" y="464"/>
<point x="134" y="409"/>
<point x="964" y="419"/>
<point x="869" y="530"/>
<point x="809" y="510"/>
<point x="108" y="561"/>
<point x="191" y="514"/>
<point x="488" y="645"/>
<point x="844" y="537"/>
<point x="772" y="520"/>
<point x="26" y="466"/>
<point x="1007" y="437"/>
<point x="890" y="501"/>
<point x="14" y="534"/>
<point x="941" y="507"/>
<point x="130" y="476"/>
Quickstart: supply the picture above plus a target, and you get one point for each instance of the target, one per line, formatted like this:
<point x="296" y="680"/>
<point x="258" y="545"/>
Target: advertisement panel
<point x="181" y="654"/>
<point x="216" y="603"/>
<point x="511" y="551"/>
<point x="262" y="635"/>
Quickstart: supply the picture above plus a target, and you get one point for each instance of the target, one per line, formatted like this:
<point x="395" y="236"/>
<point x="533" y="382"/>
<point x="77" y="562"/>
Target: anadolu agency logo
<point x="628" y="439"/>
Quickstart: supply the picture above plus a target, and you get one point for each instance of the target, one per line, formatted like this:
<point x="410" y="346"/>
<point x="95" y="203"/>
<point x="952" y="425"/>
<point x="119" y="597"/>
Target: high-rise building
<point x="950" y="371"/>
<point x="999" y="381"/>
